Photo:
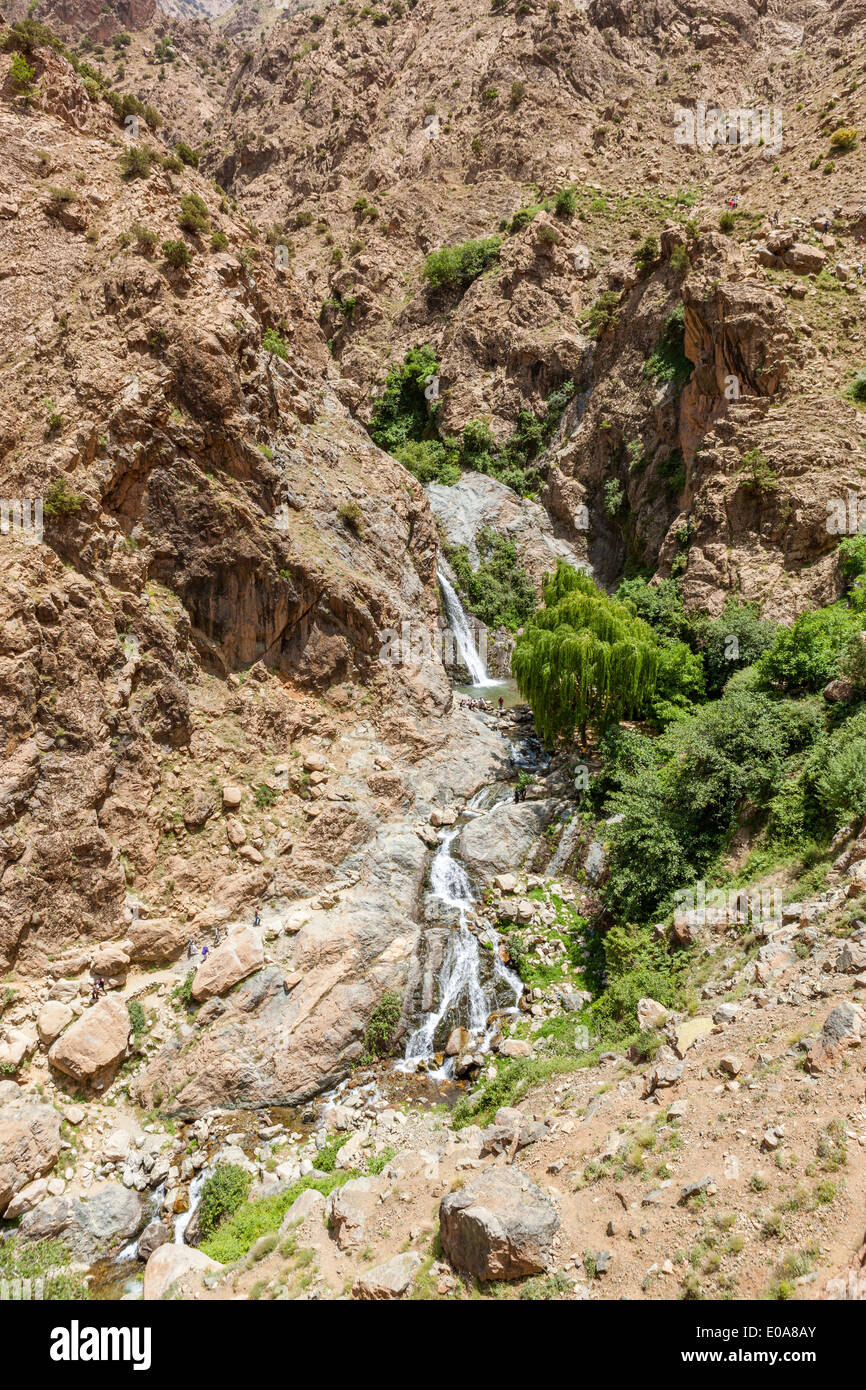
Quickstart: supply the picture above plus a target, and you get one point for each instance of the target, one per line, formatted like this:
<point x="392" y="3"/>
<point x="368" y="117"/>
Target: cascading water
<point x="459" y="624"/>
<point x="463" y="994"/>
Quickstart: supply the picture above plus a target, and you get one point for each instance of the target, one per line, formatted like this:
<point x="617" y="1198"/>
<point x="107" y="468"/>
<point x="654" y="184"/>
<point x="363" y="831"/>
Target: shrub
<point x="137" y="1018"/>
<point x="145" y="238"/>
<point x="809" y="654"/>
<point x="455" y="267"/>
<point x="727" y="222"/>
<point x="351" y="516"/>
<point x="668" y="362"/>
<point x="21" y="72"/>
<point x="222" y="1193"/>
<point x="732" y="641"/>
<point x="379" y="1033"/>
<point x="839" y="785"/>
<point x="499" y="591"/>
<point x="274" y="343"/>
<point x="185" y="153"/>
<point x="613" y="496"/>
<point x="135" y="162"/>
<point x="219" y="241"/>
<point x="177" y="254"/>
<point x="265" y="796"/>
<point x="429" y="461"/>
<point x="518" y="92"/>
<point x="857" y="390"/>
<point x="402" y="413"/>
<point x="602" y="316"/>
<point x="757" y="472"/>
<point x="647" y="254"/>
<point x="565" y="203"/>
<point x="60" y="500"/>
<point x="843" y="139"/>
<point x="194" y="216"/>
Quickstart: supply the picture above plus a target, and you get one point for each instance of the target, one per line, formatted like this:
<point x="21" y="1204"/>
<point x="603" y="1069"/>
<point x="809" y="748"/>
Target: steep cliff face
<point x="209" y="504"/>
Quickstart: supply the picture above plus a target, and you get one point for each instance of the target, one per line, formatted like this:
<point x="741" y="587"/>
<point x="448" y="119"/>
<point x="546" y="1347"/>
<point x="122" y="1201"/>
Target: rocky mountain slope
<point x="228" y="796"/>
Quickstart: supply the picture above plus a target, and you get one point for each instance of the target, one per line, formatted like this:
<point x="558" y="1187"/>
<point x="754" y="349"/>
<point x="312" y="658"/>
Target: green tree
<point x="584" y="658"/>
<point x="402" y="412"/>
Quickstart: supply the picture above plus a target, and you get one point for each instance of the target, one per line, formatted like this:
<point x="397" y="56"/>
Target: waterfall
<point x="459" y="624"/>
<point x="461" y="991"/>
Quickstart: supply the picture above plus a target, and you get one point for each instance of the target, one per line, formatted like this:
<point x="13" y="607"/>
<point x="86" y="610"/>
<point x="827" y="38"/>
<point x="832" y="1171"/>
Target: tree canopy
<point x="583" y="658"/>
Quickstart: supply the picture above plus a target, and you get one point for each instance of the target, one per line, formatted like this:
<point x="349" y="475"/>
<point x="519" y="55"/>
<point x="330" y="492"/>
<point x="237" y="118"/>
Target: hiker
<point x="100" y="985"/>
<point x="516" y="793"/>
<point x="257" y="918"/>
<point x="191" y="948"/>
<point x="204" y="953"/>
<point x="216" y="936"/>
<point x="94" y="993"/>
<point x="501" y="705"/>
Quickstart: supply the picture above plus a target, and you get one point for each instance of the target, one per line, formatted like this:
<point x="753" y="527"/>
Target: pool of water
<point x="492" y="691"/>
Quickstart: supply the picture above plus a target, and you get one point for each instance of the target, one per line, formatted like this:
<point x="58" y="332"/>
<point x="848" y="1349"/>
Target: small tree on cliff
<point x="583" y="658"/>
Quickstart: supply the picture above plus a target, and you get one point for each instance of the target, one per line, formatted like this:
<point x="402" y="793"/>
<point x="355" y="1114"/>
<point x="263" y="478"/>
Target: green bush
<point x="223" y="1192"/>
<point x="669" y="362"/>
<point x="145" y="238"/>
<point x="565" y="203"/>
<point x="498" y="592"/>
<point x="61" y="500"/>
<point x="733" y="641"/>
<point x="135" y="162"/>
<point x="727" y="222"/>
<point x="379" y="1033"/>
<point x="177" y="254"/>
<point x="758" y="473"/>
<point x="274" y="343"/>
<point x="809" y="654"/>
<point x="646" y="255"/>
<point x="402" y="412"/>
<point x="429" y="461"/>
<point x="455" y="267"/>
<point x="194" y="216"/>
<point x="857" y="390"/>
<point x="21" y="72"/>
<point x="137" y="1018"/>
<point x="839" y="785"/>
<point x="185" y="153"/>
<point x="602" y="316"/>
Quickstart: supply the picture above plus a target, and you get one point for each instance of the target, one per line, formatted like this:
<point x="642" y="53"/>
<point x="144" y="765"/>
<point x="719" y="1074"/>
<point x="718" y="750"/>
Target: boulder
<point x="852" y="958"/>
<point x="690" y="1032"/>
<point x="458" y="1038"/>
<point x="111" y="962"/>
<point x="389" y="1280"/>
<point x="157" y="939"/>
<point x="650" y="1014"/>
<point x="309" y="1203"/>
<point x="804" y="259"/>
<point x="90" y="1226"/>
<point x="232" y="797"/>
<point x="16" y="1045"/>
<point x="93" y="1046"/>
<point x="499" y="1226"/>
<point x="29" y="1145"/>
<point x="25" y="1200"/>
<point x="152" y="1237"/>
<point x="51" y="1020"/>
<point x="241" y="954"/>
<point x="170" y="1263"/>
<point x="350" y="1208"/>
<point x="843" y="1028"/>
<point x="502" y="839"/>
<point x="515" y="1047"/>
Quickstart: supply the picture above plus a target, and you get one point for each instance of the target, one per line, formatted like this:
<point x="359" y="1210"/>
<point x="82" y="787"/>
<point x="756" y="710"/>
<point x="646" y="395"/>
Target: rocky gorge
<point x="326" y="973"/>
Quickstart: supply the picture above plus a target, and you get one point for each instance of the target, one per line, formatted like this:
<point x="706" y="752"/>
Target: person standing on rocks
<point x="191" y="949"/>
<point x="257" y="918"/>
<point x="204" y="953"/>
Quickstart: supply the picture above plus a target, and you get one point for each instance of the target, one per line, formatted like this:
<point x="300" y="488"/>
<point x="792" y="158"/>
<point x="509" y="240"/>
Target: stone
<point x="240" y="955"/>
<point x="852" y="959"/>
<point x="500" y="840"/>
<point x="157" y="939"/>
<point x="199" y="809"/>
<point x="731" y="1065"/>
<point x="389" y="1280"/>
<point x="51" y="1020"/>
<point x="232" y="797"/>
<point x="29" y="1145"/>
<point x="111" y="962"/>
<point x="170" y="1263"/>
<point x="116" y="1146"/>
<point x="804" y="259"/>
<point x="235" y="831"/>
<point x="90" y="1226"/>
<point x="154" y="1235"/>
<point x="92" y="1047"/>
<point x="458" y="1038"/>
<point x="843" y="1028"/>
<point x="515" y="1047"/>
<point x="350" y="1207"/>
<point x="666" y="1071"/>
<point x="690" y="1032"/>
<point x="499" y="1226"/>
<point x="651" y="1014"/>
<point x="506" y="883"/>
<point x="26" y="1199"/>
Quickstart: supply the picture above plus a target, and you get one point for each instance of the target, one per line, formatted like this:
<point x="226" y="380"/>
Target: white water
<point x="459" y="624"/>
<point x="461" y="990"/>
<point x="182" y="1221"/>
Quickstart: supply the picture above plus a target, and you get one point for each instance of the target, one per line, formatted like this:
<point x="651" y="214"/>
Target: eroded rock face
<point x="499" y="1226"/>
<point x="92" y="1047"/>
<point x="29" y="1145"/>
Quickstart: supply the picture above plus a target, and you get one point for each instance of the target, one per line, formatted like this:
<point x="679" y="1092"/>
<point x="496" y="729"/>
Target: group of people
<point x="478" y="702"/>
<point x="219" y="934"/>
<point x="97" y="988"/>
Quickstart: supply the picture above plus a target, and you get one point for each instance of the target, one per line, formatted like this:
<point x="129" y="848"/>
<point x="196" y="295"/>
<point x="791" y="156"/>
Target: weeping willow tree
<point x="583" y="658"/>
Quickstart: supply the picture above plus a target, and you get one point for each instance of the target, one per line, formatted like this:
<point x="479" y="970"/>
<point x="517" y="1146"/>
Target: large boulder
<point x="92" y="1046"/>
<point x="157" y="939"/>
<point x="241" y="954"/>
<point x="350" y="1208"/>
<point x="29" y="1145"/>
<point x="843" y="1028"/>
<point x="53" y="1017"/>
<point x="91" y="1225"/>
<point x="503" y="838"/>
<point x="499" y="1226"/>
<point x="389" y="1280"/>
<point x="170" y="1263"/>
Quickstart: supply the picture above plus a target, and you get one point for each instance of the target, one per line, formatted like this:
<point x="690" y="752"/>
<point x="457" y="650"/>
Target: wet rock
<point x="458" y="1038"/>
<point x="502" y="838"/>
<point x="499" y="1226"/>
<point x="151" y="1238"/>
